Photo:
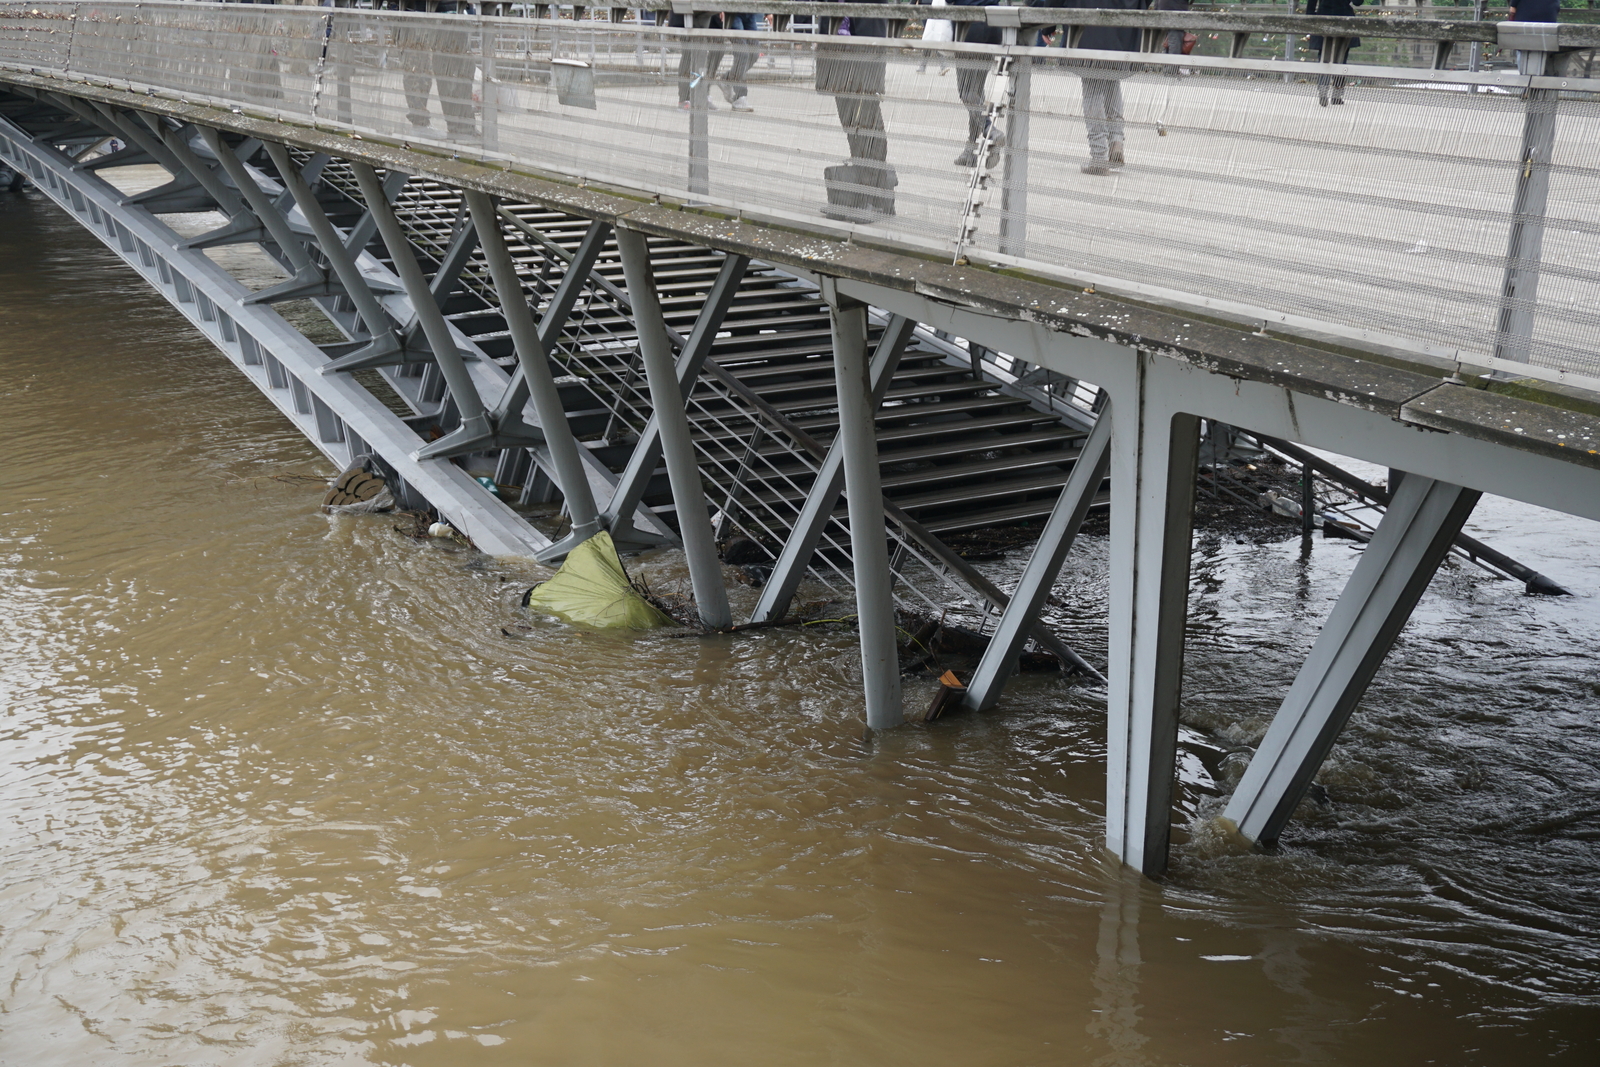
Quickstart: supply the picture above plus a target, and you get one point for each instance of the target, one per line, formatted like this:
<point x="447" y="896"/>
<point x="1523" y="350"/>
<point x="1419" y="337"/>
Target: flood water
<point x="276" y="790"/>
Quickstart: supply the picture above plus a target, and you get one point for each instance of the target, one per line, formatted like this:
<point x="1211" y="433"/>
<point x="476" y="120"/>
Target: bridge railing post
<point x="1519" y="291"/>
<point x="1014" y="182"/>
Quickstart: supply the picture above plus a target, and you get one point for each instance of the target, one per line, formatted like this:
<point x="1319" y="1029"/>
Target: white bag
<point x="940" y="30"/>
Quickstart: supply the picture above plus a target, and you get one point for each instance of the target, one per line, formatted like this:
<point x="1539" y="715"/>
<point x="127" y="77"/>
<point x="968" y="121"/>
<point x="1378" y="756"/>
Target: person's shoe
<point x="1096" y="167"/>
<point x="1322" y="99"/>
<point x="1115" y="158"/>
<point x="968" y="156"/>
<point x="742" y="104"/>
<point x="1339" y="100"/>
<point x="992" y="159"/>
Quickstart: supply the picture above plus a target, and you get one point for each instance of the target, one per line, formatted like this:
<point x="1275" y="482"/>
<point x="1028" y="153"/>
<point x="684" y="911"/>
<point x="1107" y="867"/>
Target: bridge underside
<point x="678" y="377"/>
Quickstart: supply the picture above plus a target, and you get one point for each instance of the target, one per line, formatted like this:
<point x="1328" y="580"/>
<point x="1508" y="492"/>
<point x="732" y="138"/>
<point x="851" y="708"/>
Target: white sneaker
<point x="742" y="104"/>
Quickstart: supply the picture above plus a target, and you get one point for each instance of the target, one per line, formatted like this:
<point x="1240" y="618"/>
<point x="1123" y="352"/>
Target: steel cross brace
<point x="533" y="348"/>
<point x="1055" y="541"/>
<point x="276" y="224"/>
<point x="476" y="432"/>
<point x="795" y="556"/>
<point x="1416" y="532"/>
<point x="913" y="529"/>
<point x="691" y="358"/>
<point x="414" y="345"/>
<point x="356" y="286"/>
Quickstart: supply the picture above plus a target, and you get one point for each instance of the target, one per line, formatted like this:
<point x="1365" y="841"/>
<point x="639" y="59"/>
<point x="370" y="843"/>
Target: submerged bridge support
<point x="525" y="315"/>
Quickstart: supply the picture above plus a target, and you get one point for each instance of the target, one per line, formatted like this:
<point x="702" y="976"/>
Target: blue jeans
<point x="744" y="53"/>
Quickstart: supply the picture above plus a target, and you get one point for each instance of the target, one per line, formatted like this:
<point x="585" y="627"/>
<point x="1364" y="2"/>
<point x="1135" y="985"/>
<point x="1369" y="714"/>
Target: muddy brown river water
<point x="276" y="790"/>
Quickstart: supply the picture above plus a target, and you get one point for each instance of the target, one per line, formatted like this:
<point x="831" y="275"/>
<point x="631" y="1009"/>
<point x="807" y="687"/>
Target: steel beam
<point x="554" y="319"/>
<point x="667" y="397"/>
<point x="261" y="204"/>
<point x="533" y="359"/>
<point x="340" y="418"/>
<point x="880" y="662"/>
<point x="1423" y="518"/>
<point x="647" y="450"/>
<point x="1153" y="470"/>
<point x="476" y="432"/>
<point x="1055" y="541"/>
<point x="385" y="342"/>
<point x="801" y="546"/>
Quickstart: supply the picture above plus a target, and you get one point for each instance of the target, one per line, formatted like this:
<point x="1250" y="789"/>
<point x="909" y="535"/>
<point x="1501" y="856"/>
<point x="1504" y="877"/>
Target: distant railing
<point x="1443" y="212"/>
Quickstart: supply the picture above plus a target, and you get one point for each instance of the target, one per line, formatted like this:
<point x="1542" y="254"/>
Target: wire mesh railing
<point x="1401" y="215"/>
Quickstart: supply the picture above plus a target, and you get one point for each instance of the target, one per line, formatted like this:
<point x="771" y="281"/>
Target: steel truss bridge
<point x="552" y="263"/>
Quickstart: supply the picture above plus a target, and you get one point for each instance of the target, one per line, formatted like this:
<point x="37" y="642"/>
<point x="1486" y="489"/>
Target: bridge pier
<point x="869" y="550"/>
<point x="1154" y="449"/>
<point x="1411" y="541"/>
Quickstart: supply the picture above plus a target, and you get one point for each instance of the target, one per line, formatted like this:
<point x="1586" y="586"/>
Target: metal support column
<point x="667" y="397"/>
<point x="1423" y="519"/>
<point x="533" y="358"/>
<point x="647" y="450"/>
<point x="475" y="431"/>
<point x="880" y="661"/>
<point x="1055" y="541"/>
<point x="1153" y="470"/>
<point x="801" y="545"/>
<point x="385" y="342"/>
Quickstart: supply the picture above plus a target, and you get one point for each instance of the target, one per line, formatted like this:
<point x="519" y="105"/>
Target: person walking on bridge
<point x="688" y="77"/>
<point x="861" y="190"/>
<point x="429" y="54"/>
<point x="1338" y="9"/>
<point x="1102" y="84"/>
<point x="972" y="76"/>
<point x="745" y="52"/>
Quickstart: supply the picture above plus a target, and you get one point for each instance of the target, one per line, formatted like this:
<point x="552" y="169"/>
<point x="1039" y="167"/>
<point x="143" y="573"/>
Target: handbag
<point x="1189" y="41"/>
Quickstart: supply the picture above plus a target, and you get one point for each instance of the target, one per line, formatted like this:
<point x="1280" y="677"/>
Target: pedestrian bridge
<point x="556" y="257"/>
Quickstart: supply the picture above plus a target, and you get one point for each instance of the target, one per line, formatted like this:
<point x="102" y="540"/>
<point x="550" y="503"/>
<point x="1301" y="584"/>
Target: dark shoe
<point x="992" y="157"/>
<point x="968" y="156"/>
<point x="1322" y="99"/>
<point x="1338" y="100"/>
<point x="1116" y="158"/>
<point x="1096" y="167"/>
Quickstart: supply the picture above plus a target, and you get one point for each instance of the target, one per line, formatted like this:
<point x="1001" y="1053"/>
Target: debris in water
<point x="591" y="589"/>
<point x="951" y="688"/>
<point x="358" y="491"/>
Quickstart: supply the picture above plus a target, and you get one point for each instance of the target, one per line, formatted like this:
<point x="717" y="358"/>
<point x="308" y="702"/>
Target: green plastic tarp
<point x="591" y="589"/>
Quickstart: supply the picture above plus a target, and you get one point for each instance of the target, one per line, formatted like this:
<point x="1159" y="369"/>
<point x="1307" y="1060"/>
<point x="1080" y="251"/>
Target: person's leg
<point x="1094" y="121"/>
<point x="1322" y="89"/>
<point x="685" y="63"/>
<point x="452" y="68"/>
<point x="970" y="82"/>
<point x="1338" y="88"/>
<point x="416" y="74"/>
<point x="1173" y="47"/>
<point x="862" y="118"/>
